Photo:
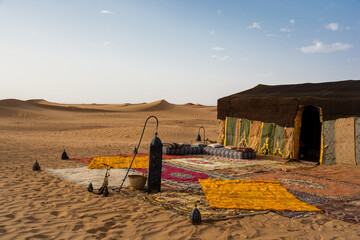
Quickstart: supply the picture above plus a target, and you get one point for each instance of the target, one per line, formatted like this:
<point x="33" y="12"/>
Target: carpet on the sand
<point x="252" y="195"/>
<point x="183" y="177"/>
<point x="182" y="202"/>
<point x="85" y="176"/>
<point x="89" y="159"/>
<point x="336" y="173"/>
<point x="313" y="185"/>
<point x="210" y="163"/>
<point x="345" y="210"/>
<point x="119" y="162"/>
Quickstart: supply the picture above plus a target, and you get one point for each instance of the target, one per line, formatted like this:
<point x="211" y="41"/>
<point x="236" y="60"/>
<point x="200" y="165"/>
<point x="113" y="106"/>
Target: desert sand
<point x="38" y="205"/>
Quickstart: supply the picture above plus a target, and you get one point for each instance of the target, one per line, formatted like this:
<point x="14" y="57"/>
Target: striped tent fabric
<point x="230" y="132"/>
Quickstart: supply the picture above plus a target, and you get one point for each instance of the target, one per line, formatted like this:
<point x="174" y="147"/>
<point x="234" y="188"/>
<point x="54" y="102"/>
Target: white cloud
<point x="244" y="59"/>
<point x="320" y="47"/>
<point x="292" y="21"/>
<point x="220" y="58"/>
<point x="347" y="28"/>
<point x="332" y="26"/>
<point x="351" y="59"/>
<point x="254" y="25"/>
<point x="107" y="44"/>
<point x="285" y="30"/>
<point x="218" y="48"/>
<point x="212" y="33"/>
<point x="106" y="12"/>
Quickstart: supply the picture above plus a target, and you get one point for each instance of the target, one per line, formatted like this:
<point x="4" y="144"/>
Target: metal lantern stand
<point x="155" y="160"/>
<point x="198" y="138"/>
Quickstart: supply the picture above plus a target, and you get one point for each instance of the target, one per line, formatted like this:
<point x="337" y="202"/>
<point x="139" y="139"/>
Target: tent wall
<point x="264" y="138"/>
<point x="357" y="141"/>
<point x="341" y="141"/>
<point x="329" y="143"/>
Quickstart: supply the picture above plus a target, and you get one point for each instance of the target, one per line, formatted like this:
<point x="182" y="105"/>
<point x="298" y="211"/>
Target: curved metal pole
<point x="136" y="148"/>
<point x="204" y="132"/>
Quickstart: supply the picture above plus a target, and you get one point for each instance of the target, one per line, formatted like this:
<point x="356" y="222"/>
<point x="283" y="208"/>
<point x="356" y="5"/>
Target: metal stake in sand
<point x="137" y="148"/>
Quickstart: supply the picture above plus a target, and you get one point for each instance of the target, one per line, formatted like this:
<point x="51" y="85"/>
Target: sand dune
<point x="37" y="205"/>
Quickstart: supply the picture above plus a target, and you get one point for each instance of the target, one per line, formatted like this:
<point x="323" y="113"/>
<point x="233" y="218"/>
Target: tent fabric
<point x="344" y="141"/>
<point x="279" y="104"/>
<point x="254" y="134"/>
<point x="329" y="143"/>
<point x="289" y="143"/>
<point x="266" y="139"/>
<point x="221" y="131"/>
<point x="279" y="140"/>
<point x="230" y="127"/>
<point x="357" y="141"/>
<point x="244" y="133"/>
<point x="237" y="132"/>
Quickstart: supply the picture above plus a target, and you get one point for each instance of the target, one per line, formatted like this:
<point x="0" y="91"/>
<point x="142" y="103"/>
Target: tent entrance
<point x="310" y="135"/>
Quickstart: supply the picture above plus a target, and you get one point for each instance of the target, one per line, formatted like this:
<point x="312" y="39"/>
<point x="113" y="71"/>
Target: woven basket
<point x="137" y="181"/>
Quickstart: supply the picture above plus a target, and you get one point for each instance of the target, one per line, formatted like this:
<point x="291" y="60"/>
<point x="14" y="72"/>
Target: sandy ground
<point x="38" y="205"/>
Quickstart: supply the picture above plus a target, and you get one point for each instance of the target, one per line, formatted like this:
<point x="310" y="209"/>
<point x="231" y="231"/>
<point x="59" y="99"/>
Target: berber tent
<point x="312" y="121"/>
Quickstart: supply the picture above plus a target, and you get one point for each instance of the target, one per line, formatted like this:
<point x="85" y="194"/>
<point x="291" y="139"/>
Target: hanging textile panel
<point x="267" y="138"/>
<point x="329" y="143"/>
<point x="221" y="131"/>
<point x="357" y="141"/>
<point x="251" y="194"/>
<point x="237" y="132"/>
<point x="289" y="143"/>
<point x="244" y="132"/>
<point x="279" y="141"/>
<point x="345" y="141"/>
<point x="230" y="131"/>
<point x="254" y="134"/>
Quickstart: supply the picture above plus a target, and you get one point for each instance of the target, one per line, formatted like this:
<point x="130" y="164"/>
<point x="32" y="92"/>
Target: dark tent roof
<point x="279" y="104"/>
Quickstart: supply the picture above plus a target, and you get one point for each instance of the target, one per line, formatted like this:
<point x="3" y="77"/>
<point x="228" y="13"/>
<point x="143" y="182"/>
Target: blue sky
<point x="93" y="51"/>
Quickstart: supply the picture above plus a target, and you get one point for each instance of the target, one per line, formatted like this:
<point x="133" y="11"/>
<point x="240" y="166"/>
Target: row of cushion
<point x="223" y="152"/>
<point x="183" y="151"/>
<point x="220" y="152"/>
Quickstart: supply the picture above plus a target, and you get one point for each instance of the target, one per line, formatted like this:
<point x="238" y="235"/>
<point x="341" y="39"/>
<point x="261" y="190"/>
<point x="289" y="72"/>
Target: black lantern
<point x="155" y="161"/>
<point x="155" y="164"/>
<point x="90" y="188"/>
<point x="198" y="138"/>
<point x="195" y="215"/>
<point x="64" y="155"/>
<point x="36" y="166"/>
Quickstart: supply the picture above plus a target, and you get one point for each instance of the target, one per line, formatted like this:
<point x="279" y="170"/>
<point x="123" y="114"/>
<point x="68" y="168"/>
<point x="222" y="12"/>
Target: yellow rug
<point x="252" y="195"/>
<point x="119" y="162"/>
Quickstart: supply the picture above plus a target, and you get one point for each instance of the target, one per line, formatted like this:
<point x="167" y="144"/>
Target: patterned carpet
<point x="338" y="199"/>
<point x="185" y="176"/>
<point x="181" y="201"/>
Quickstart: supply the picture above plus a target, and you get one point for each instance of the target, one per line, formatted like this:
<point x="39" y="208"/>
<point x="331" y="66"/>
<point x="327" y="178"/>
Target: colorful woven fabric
<point x="204" y="163"/>
<point x="119" y="162"/>
<point x="182" y="202"/>
<point x="313" y="185"/>
<point x="252" y="195"/>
